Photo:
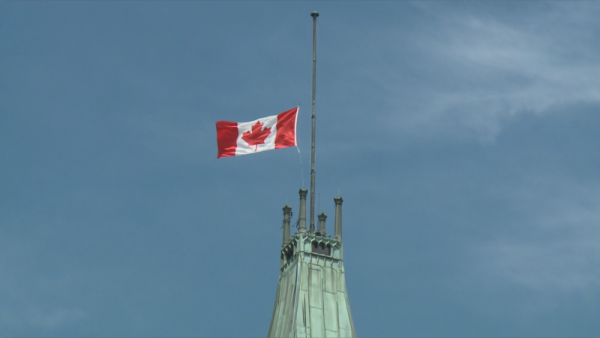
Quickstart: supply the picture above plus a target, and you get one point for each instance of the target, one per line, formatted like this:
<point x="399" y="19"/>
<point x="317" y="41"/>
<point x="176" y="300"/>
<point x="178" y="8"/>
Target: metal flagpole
<point x="312" y="148"/>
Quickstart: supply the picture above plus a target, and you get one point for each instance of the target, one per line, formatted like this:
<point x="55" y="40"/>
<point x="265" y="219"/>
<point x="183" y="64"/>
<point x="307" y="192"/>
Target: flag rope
<point x="301" y="167"/>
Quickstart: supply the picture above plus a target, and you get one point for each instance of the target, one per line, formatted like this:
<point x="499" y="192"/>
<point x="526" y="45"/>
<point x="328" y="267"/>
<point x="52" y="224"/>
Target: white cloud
<point x="474" y="73"/>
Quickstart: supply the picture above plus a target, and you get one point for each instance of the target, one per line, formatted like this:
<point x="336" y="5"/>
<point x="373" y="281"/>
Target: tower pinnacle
<point x="287" y="214"/>
<point x="311" y="299"/>
<point x="302" y="215"/>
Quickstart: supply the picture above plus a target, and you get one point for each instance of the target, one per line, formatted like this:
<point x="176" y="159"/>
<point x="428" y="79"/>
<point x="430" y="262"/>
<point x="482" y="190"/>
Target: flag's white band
<point x="244" y="127"/>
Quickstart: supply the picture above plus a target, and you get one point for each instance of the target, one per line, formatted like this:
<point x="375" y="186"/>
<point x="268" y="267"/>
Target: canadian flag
<point x="267" y="133"/>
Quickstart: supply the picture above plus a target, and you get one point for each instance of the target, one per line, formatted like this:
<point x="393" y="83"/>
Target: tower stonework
<point x="311" y="299"/>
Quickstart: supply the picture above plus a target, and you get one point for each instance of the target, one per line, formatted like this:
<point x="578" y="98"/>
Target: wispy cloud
<point x="472" y="73"/>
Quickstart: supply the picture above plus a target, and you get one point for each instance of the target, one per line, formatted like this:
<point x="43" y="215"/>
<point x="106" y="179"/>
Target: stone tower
<point x="311" y="299"/>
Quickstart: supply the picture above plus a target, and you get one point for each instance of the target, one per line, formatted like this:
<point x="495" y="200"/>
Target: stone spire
<point x="311" y="298"/>
<point x="302" y="216"/>
<point x="338" y="218"/>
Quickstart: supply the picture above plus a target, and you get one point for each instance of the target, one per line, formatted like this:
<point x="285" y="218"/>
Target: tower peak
<point x="311" y="299"/>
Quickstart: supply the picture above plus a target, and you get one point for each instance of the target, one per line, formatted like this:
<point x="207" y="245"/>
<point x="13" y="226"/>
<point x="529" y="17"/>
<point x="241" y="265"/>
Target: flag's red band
<point x="286" y="129"/>
<point x="227" y="134"/>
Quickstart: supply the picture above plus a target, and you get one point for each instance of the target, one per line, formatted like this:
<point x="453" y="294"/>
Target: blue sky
<point x="463" y="137"/>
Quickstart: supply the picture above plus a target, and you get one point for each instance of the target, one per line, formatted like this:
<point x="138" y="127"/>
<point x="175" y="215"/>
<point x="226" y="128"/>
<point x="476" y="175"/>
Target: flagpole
<point x="312" y="148"/>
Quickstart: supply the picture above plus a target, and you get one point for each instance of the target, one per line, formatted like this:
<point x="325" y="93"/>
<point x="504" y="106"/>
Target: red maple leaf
<point x="257" y="135"/>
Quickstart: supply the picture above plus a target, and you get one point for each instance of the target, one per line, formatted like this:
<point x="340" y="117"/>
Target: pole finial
<point x="314" y="14"/>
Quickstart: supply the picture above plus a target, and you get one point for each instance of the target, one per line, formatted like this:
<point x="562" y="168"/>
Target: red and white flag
<point x="267" y="133"/>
